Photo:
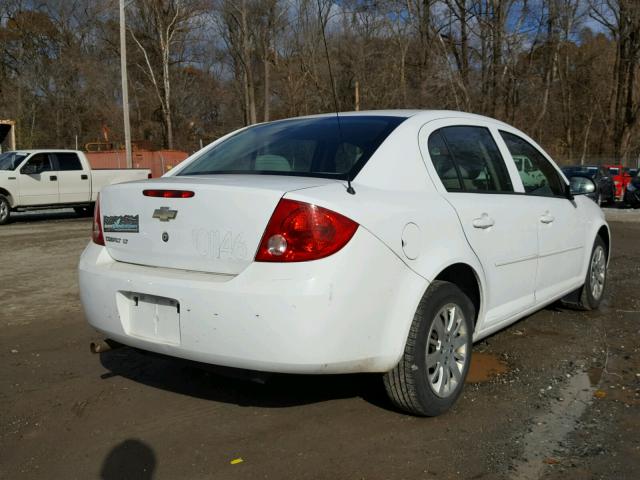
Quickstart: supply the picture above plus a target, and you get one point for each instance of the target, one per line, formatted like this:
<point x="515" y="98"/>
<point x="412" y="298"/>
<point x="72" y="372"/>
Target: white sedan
<point x="384" y="241"/>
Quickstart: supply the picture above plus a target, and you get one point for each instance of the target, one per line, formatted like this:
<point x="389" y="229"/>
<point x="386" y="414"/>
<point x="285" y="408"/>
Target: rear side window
<point x="541" y="178"/>
<point x="68" y="161"/>
<point x="443" y="163"/>
<point x="316" y="147"/>
<point x="467" y="159"/>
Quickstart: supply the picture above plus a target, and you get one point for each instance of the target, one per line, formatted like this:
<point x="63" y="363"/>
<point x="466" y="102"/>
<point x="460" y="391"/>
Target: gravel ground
<point x="622" y="214"/>
<point x="557" y="395"/>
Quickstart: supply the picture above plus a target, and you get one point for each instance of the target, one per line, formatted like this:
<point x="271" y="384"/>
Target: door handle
<point x="11" y="178"/>
<point x="483" y="222"/>
<point x="53" y="178"/>
<point x="83" y="177"/>
<point x="546" y="218"/>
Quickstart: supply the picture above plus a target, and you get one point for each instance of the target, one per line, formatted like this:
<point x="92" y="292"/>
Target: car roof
<point x="425" y="115"/>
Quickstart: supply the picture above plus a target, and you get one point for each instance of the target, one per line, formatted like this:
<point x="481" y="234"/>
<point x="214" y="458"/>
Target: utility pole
<point x="125" y="85"/>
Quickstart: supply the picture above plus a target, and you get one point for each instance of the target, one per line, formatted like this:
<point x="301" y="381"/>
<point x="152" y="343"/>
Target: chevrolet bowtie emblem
<point x="164" y="214"/>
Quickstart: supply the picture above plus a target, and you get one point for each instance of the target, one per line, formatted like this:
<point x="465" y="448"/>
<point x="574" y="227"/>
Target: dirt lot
<point x="562" y="398"/>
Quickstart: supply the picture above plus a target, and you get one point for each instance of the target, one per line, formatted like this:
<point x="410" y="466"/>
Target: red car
<point x="621" y="179"/>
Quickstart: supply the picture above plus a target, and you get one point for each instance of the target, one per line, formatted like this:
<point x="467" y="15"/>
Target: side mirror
<point x="581" y="186"/>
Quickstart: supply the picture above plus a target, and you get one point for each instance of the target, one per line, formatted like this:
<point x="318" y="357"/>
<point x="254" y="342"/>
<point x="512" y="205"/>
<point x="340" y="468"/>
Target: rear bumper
<point x="350" y="312"/>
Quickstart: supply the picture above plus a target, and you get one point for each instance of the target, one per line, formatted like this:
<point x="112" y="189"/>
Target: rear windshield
<point x="11" y="160"/>
<point x="314" y="147"/>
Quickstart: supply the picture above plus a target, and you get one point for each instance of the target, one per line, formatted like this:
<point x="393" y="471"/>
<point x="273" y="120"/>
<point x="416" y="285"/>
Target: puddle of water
<point x="485" y="366"/>
<point x="550" y="428"/>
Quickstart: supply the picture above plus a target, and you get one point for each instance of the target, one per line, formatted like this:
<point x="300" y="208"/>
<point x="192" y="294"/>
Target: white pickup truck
<point x="41" y="179"/>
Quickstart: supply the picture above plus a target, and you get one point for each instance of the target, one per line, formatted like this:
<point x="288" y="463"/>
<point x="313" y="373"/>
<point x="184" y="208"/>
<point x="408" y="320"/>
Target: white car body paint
<point x="351" y="311"/>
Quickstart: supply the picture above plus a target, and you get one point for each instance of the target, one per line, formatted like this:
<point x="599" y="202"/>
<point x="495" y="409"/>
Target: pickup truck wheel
<point x="83" y="211"/>
<point x="5" y="210"/>
<point x="430" y="375"/>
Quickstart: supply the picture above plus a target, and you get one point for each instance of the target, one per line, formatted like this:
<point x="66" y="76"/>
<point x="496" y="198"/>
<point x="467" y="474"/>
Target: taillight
<point x="298" y="232"/>
<point x="96" y="235"/>
<point x="168" y="193"/>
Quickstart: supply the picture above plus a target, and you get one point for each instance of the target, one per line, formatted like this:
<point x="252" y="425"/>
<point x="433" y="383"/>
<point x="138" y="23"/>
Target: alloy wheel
<point x="4" y="210"/>
<point x="597" y="272"/>
<point x="447" y="350"/>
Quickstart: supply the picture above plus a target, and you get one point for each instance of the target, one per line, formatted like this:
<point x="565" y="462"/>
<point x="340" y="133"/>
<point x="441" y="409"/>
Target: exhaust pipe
<point x="104" y="345"/>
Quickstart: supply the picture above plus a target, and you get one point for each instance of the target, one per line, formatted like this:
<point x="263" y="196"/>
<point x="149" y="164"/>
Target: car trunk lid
<point x="216" y="230"/>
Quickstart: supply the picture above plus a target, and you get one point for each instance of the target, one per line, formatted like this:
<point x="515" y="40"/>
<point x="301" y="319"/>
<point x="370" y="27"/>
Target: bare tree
<point x="204" y="67"/>
<point x="156" y="28"/>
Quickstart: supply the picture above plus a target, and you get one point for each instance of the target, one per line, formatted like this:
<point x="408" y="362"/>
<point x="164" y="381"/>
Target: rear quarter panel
<point x="392" y="191"/>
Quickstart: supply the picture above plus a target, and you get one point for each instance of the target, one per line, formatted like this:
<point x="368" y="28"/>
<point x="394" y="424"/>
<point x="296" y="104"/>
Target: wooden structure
<point x="8" y="130"/>
<point x="158" y="161"/>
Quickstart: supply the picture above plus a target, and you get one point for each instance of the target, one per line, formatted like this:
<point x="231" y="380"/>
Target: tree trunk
<point x="267" y="88"/>
<point x="167" y="97"/>
<point x="585" y="140"/>
<point x="250" y="96"/>
<point x="496" y="46"/>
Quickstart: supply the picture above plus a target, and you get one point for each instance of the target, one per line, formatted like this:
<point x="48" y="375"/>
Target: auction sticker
<point x="121" y="223"/>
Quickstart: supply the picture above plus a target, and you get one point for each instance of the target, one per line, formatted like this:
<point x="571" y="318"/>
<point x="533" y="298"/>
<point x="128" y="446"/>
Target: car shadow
<point x="240" y="387"/>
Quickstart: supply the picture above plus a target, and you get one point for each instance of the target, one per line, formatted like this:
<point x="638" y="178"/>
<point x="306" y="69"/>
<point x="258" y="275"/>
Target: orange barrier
<point x="159" y="162"/>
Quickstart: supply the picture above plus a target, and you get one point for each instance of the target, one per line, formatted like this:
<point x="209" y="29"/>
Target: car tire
<point x="596" y="279"/>
<point x="5" y="210"/>
<point x="587" y="297"/>
<point x="83" y="211"/>
<point x="431" y="373"/>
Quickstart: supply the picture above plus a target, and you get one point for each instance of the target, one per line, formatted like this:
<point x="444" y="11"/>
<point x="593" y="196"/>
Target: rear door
<point x="500" y="228"/>
<point x="74" y="185"/>
<point x="38" y="181"/>
<point x="561" y="227"/>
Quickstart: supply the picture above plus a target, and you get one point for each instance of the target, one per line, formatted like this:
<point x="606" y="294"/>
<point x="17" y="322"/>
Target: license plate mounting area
<point x="150" y="317"/>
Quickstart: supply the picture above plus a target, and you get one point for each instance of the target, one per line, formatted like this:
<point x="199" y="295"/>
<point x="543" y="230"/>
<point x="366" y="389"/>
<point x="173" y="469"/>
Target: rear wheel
<point x="5" y="210"/>
<point x="83" y="211"/>
<point x="430" y="375"/>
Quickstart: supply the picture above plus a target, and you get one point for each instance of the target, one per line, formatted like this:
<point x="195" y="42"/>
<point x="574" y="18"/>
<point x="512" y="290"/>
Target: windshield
<point x="614" y="171"/>
<point x="315" y="147"/>
<point x="11" y="160"/>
